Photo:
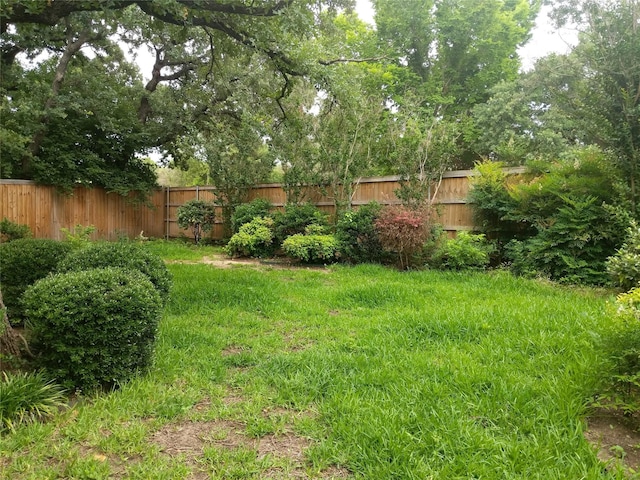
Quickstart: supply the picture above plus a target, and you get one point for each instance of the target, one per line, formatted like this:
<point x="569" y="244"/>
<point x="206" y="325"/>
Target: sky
<point x="545" y="37"/>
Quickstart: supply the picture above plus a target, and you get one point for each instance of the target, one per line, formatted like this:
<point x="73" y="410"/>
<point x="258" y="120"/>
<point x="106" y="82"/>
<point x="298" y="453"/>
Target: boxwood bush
<point x="121" y="254"/>
<point x="24" y="261"/>
<point x="357" y="237"/>
<point x="295" y="219"/>
<point x="93" y="328"/>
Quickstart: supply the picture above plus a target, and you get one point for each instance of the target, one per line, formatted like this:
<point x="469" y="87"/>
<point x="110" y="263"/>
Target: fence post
<point x="167" y="220"/>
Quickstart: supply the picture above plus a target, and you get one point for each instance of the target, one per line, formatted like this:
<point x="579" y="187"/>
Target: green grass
<point x="183" y="250"/>
<point x="381" y="375"/>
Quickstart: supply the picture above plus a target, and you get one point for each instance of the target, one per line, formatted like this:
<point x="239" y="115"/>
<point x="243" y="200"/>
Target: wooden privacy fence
<point x="47" y="211"/>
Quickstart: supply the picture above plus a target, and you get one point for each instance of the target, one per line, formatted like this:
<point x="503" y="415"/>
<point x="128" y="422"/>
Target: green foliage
<point x="26" y="398"/>
<point x="403" y="232"/>
<point x="197" y="215"/>
<point x="295" y="219"/>
<point x="492" y="202"/>
<point x="254" y="239"/>
<point x="624" y="266"/>
<point x="562" y="216"/>
<point x="13" y="231"/>
<point x="466" y="251"/>
<point x="621" y="345"/>
<point x="80" y="235"/>
<point x="125" y="255"/>
<point x="357" y="237"/>
<point x="24" y="261"/>
<point x="311" y="248"/>
<point x="246" y="212"/>
<point x="93" y="328"/>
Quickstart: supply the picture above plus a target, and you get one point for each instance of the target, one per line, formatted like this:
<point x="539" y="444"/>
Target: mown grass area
<point x="349" y="372"/>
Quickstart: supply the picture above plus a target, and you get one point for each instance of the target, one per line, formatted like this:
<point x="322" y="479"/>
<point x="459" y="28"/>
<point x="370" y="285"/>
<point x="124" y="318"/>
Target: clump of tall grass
<point x="26" y="398"/>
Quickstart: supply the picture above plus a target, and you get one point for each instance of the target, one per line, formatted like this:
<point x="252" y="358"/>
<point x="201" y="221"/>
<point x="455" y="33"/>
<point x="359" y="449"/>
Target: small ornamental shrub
<point x="246" y="212"/>
<point x="466" y="251"/>
<point x="624" y="266"/>
<point x="197" y="215"/>
<point x="26" y="398"/>
<point x="622" y="348"/>
<point x="124" y="255"/>
<point x="93" y="328"/>
<point x="254" y="239"/>
<point x="311" y="248"/>
<point x="295" y="219"/>
<point x="403" y="231"/>
<point x="357" y="237"/>
<point x="10" y="231"/>
<point x="79" y="235"/>
<point x="24" y="261"/>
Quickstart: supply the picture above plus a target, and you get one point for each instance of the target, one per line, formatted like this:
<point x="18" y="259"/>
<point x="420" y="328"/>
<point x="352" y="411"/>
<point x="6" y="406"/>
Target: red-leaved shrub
<point x="403" y="231"/>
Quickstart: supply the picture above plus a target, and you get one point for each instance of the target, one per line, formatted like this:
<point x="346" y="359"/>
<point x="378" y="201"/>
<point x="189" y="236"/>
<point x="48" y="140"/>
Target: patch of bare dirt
<point x="232" y="350"/>
<point x="616" y="437"/>
<point x="222" y="261"/>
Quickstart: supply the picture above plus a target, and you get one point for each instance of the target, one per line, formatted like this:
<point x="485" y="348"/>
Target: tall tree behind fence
<point x="46" y="211"/>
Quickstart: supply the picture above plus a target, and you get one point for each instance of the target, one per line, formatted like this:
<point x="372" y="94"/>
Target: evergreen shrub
<point x="311" y="248"/>
<point x="357" y="237"/>
<point x="295" y="219"/>
<point x="10" y="231"/>
<point x="24" y="261"/>
<point x="123" y="255"/>
<point x="246" y="212"/>
<point x="93" y="328"/>
<point x="254" y="239"/>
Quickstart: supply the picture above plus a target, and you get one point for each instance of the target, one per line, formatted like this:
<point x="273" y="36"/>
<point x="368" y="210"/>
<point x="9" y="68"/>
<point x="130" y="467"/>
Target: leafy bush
<point x="311" y="248"/>
<point x="295" y="219"/>
<point x="124" y="255"/>
<point x="197" y="215"/>
<point x="561" y="216"/>
<point x="10" y="231"/>
<point x="624" y="266"/>
<point x="246" y="212"/>
<point x="622" y="349"/>
<point x="403" y="231"/>
<point x="466" y="251"/>
<point x="24" y="261"/>
<point x="26" y="398"/>
<point x="573" y="248"/>
<point x="254" y="239"/>
<point x="357" y="237"/>
<point x="79" y="235"/>
<point x="93" y="328"/>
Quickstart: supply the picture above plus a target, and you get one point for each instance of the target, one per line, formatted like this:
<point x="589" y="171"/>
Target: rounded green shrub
<point x="311" y="248"/>
<point x="295" y="219"/>
<point x="93" y="328"/>
<point x="466" y="251"/>
<point x="254" y="239"/>
<point x="24" y="261"/>
<point x="124" y="255"/>
<point x="10" y="231"/>
<point x="357" y="237"/>
<point x="246" y="212"/>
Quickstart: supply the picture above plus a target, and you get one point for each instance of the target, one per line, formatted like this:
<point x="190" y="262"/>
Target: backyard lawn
<point x="343" y="372"/>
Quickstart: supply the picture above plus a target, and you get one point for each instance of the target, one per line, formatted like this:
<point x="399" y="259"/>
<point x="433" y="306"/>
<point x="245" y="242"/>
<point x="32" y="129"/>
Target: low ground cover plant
<point x="374" y="373"/>
<point x="27" y="397"/>
<point x="93" y="328"/>
<point x="24" y="261"/>
<point x="123" y="255"/>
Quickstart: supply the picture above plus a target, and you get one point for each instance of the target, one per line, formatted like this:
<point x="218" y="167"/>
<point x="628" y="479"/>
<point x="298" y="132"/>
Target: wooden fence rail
<point x="47" y="211"/>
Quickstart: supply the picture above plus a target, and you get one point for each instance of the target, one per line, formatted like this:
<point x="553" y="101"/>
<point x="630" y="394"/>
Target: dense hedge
<point x="24" y="261"/>
<point x="124" y="255"/>
<point x="93" y="328"/>
<point x="311" y="248"/>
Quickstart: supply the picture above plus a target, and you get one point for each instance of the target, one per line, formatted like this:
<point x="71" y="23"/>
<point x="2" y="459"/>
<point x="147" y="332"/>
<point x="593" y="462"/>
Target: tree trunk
<point x="9" y="339"/>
